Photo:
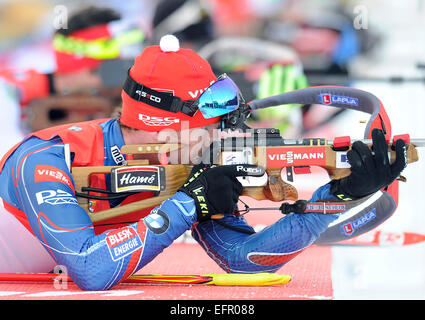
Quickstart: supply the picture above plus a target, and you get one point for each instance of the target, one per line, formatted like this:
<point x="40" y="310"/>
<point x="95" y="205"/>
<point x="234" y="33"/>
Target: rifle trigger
<point x="289" y="174"/>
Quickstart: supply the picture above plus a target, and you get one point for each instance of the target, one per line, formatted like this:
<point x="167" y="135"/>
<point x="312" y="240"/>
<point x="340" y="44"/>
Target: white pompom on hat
<point x="169" y="43"/>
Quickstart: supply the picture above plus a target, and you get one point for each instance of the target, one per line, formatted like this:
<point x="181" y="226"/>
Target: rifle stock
<point x="339" y="173"/>
<point x="276" y="189"/>
<point x="175" y="176"/>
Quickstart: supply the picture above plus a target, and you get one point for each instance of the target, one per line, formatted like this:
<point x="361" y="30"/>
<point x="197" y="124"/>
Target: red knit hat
<point x="167" y="68"/>
<point x="87" y="48"/>
<point x="70" y="62"/>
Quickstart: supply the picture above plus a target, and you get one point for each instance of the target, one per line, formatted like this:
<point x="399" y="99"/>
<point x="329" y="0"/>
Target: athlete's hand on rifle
<point x="215" y="189"/>
<point x="370" y="169"/>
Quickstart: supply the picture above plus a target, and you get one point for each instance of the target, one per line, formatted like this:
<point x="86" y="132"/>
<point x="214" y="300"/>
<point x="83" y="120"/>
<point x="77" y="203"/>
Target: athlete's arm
<point x="234" y="245"/>
<point x="45" y="192"/>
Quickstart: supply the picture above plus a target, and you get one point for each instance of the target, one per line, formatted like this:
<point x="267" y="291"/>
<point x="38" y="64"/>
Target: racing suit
<point x="37" y="187"/>
<point x="16" y="90"/>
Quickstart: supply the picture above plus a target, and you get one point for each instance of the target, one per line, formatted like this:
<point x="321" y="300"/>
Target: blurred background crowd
<point x="65" y="61"/>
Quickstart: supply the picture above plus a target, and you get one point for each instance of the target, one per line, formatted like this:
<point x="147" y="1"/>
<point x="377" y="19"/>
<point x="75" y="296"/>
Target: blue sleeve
<point x="267" y="250"/>
<point x="317" y="222"/>
<point x="45" y="192"/>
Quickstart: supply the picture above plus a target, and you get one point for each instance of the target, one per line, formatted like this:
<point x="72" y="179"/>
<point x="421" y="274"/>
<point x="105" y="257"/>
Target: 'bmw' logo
<point x="157" y="222"/>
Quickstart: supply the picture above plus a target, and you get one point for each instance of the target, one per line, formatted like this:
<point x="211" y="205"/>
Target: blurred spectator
<point x="90" y="58"/>
<point x="260" y="68"/>
<point x="189" y="20"/>
<point x="90" y="62"/>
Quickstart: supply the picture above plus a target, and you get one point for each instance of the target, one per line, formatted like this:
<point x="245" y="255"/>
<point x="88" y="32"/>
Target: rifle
<point x="266" y="148"/>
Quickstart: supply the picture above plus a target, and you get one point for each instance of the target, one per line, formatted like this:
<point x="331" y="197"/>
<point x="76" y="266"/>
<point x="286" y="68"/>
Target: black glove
<point x="370" y="172"/>
<point x="215" y="189"/>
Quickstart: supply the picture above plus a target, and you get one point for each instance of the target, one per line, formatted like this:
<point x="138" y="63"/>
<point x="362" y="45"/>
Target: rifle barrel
<point x="416" y="142"/>
<point x="278" y="141"/>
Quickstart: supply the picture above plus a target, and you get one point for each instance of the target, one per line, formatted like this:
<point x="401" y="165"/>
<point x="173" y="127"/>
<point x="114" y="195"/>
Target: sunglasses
<point x="220" y="98"/>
